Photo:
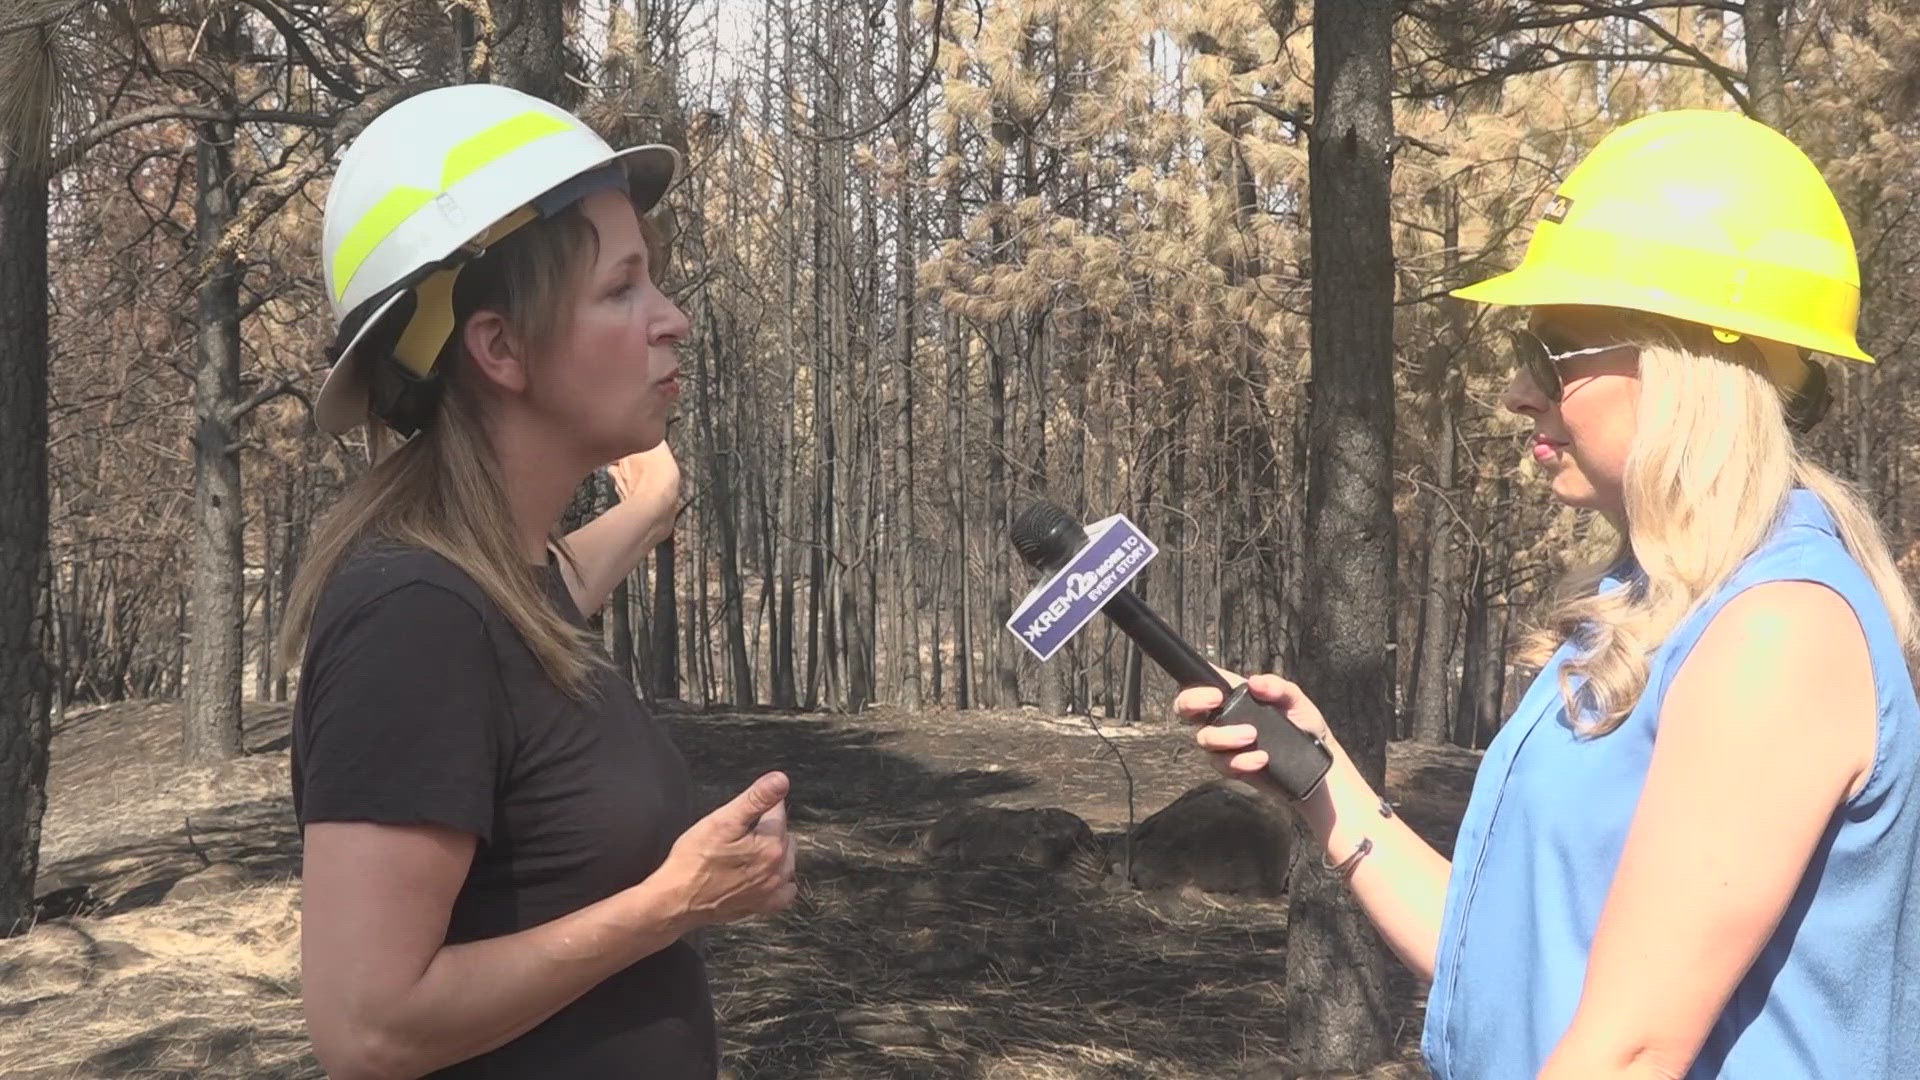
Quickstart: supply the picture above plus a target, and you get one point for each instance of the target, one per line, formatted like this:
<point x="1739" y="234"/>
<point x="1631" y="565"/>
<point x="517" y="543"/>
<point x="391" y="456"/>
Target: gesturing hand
<point x="738" y="861"/>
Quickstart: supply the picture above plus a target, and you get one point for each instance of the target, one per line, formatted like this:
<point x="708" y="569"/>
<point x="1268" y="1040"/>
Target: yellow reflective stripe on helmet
<point x="374" y="226"/>
<point x="467" y="157"/>
<point x="497" y="142"/>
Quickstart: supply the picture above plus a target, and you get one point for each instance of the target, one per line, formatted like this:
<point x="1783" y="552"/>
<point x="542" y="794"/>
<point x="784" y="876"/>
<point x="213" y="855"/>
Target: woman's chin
<point x="1571" y="489"/>
<point x="638" y="438"/>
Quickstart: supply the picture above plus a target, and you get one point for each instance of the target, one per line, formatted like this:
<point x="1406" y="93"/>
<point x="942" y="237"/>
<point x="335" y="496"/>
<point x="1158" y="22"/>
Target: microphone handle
<point x="1296" y="761"/>
<point x="1161" y="644"/>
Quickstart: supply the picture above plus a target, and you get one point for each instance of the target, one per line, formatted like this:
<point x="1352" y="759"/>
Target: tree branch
<point x="1720" y="72"/>
<point x="341" y="86"/>
<point x="1299" y="118"/>
<point x="257" y="212"/>
<point x="283" y="388"/>
<point x="926" y="75"/>
<point x="1553" y="14"/>
<point x="107" y="129"/>
<point x="1433" y="148"/>
<point x="45" y="19"/>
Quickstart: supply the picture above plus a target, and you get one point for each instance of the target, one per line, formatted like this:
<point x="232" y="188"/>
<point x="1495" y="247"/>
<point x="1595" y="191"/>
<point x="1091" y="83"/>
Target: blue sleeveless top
<point x="1835" y="992"/>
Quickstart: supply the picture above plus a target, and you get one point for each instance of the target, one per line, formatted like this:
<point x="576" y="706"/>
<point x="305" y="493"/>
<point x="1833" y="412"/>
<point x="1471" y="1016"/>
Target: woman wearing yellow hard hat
<point x="1694" y="848"/>
<point x="501" y="861"/>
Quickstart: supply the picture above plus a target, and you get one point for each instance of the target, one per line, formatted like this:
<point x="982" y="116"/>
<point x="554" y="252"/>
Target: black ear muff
<point x="1808" y="404"/>
<point x="403" y="400"/>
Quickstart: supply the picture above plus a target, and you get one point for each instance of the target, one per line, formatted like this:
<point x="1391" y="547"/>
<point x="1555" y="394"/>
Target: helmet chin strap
<point x="1809" y="402"/>
<point x="1801" y="380"/>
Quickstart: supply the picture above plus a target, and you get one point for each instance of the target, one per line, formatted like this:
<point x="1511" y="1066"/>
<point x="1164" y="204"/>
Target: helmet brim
<point x="1540" y="286"/>
<point x="342" y="404"/>
<point x="651" y="171"/>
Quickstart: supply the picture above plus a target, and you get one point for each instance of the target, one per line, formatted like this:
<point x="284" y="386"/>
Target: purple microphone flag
<point x="1115" y="554"/>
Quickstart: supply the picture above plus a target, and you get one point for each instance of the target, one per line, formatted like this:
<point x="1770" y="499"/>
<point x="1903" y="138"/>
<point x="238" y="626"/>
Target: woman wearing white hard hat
<point x="501" y="862"/>
<point x="1693" y="850"/>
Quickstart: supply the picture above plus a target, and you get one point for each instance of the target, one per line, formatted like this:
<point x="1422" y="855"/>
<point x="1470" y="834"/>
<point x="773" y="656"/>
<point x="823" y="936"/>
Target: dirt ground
<point x="169" y="946"/>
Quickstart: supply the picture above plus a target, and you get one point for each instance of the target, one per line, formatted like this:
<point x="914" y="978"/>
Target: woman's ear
<point x="494" y="352"/>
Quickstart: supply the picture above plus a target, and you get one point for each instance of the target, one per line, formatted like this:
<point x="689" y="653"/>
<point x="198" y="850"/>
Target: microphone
<point x="1048" y="538"/>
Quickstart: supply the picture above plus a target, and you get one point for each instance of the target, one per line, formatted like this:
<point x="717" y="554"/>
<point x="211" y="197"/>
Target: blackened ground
<point x="169" y="942"/>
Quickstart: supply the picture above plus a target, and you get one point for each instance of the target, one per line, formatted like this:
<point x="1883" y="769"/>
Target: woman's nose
<point x="673" y="326"/>
<point x="1522" y="396"/>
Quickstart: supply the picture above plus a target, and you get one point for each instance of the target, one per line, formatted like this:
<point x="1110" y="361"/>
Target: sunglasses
<point x="1535" y="357"/>
<point x="1804" y="406"/>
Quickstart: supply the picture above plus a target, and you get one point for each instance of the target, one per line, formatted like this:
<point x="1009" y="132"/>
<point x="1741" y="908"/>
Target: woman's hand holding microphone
<point x="1399" y="879"/>
<point x="1234" y="753"/>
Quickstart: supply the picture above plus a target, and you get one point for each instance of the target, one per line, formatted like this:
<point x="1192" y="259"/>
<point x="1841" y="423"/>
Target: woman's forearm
<point x="476" y="996"/>
<point x="1401" y="882"/>
<point x="606" y="549"/>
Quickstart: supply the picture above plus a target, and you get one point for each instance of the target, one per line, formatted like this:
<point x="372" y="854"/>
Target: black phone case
<point x="1295" y="760"/>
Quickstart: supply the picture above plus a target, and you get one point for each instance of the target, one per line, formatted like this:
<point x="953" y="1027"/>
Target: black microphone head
<point x="1046" y="536"/>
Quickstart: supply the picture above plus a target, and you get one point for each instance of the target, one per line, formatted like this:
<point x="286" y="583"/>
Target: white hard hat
<point x="425" y="188"/>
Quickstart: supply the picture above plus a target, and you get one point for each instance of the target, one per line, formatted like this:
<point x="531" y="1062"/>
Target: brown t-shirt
<point x="420" y="703"/>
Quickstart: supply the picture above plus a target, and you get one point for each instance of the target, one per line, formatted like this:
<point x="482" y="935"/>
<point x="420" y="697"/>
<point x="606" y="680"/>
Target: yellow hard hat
<point x="1703" y="216"/>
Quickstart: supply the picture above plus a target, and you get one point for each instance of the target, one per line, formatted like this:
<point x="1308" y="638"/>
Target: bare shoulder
<point x="1807" y="615"/>
<point x="1782" y="659"/>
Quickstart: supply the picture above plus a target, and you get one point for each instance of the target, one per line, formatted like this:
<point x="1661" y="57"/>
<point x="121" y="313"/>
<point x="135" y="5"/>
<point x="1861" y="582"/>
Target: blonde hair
<point x="1709" y="471"/>
<point x="441" y="490"/>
